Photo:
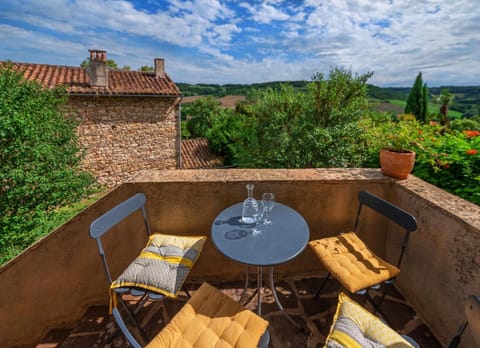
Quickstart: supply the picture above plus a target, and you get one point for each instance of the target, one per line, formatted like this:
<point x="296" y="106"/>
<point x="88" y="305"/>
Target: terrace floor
<point x="97" y="328"/>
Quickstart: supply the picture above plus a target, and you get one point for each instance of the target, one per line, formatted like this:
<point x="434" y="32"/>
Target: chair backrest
<point x="392" y="212"/>
<point x="472" y="313"/>
<point x="112" y="217"/>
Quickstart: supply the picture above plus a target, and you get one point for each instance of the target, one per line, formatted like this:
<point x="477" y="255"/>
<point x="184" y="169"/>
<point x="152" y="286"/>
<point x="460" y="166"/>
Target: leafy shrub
<point x="39" y="155"/>
<point x="465" y="124"/>
<point x="381" y="132"/>
<point x="451" y="161"/>
<point x="289" y="129"/>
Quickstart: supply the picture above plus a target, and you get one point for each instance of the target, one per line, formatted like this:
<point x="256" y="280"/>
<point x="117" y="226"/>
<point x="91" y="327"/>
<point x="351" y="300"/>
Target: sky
<point x="235" y="41"/>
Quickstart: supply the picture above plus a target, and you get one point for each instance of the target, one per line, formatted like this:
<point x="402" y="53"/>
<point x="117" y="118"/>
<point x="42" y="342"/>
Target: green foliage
<point x="444" y="99"/>
<point x="381" y="132"/>
<point x="110" y="63"/>
<point x="46" y="224"/>
<point x="201" y="115"/>
<point x="39" y="155"/>
<point x="289" y="129"/>
<point x="147" y="68"/>
<point x="417" y="101"/>
<point x="450" y="161"/>
<point x="465" y="124"/>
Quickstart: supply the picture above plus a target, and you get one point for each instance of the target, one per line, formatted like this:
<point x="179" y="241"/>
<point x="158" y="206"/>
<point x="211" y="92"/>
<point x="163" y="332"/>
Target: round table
<point x="278" y="243"/>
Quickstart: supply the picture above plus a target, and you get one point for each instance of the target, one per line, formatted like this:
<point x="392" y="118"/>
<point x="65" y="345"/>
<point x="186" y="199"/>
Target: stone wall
<point x="123" y="135"/>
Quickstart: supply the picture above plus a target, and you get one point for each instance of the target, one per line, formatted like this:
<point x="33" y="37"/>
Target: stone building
<point x="128" y="120"/>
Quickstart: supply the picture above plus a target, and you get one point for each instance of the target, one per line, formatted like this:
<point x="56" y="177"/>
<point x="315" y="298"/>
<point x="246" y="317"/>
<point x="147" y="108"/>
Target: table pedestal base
<point x="258" y="291"/>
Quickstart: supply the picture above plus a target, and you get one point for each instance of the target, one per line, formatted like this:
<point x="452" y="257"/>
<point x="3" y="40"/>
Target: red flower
<point x="471" y="133"/>
<point x="446" y="166"/>
<point x="472" y="152"/>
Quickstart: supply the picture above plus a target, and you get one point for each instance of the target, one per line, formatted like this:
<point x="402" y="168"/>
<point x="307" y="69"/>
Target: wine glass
<point x="256" y="231"/>
<point x="268" y="200"/>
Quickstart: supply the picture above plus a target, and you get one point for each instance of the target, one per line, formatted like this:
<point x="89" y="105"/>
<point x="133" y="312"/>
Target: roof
<point x="228" y="101"/>
<point x="77" y="81"/>
<point x="196" y="154"/>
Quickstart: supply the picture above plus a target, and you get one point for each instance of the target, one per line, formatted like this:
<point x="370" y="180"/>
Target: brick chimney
<point x="97" y="69"/>
<point x="159" y="67"/>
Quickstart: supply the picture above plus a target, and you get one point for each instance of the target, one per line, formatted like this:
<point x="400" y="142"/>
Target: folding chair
<point x="209" y="319"/>
<point x="472" y="313"/>
<point x="354" y="326"/>
<point x="352" y="263"/>
<point x="160" y="269"/>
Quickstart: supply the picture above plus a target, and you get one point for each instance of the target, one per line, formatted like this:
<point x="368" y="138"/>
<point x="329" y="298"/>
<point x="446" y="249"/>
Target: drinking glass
<point x="256" y="231"/>
<point x="268" y="200"/>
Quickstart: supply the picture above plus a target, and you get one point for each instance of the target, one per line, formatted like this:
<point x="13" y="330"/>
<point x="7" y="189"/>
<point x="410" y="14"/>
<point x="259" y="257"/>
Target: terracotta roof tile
<point x="77" y="81"/>
<point x="196" y="154"/>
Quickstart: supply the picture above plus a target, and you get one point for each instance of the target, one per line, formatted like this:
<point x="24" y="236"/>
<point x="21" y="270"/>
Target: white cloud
<point x="258" y="40"/>
<point x="266" y="12"/>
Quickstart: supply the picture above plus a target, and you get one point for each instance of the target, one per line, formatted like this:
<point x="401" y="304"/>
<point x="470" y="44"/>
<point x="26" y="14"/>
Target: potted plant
<point x="396" y="155"/>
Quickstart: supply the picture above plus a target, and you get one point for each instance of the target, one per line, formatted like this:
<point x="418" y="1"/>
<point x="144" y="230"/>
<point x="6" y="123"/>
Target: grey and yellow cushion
<point x="163" y="265"/>
<point x="355" y="327"/>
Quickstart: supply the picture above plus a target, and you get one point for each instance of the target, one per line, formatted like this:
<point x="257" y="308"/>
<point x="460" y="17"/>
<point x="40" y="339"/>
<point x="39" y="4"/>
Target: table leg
<point x="259" y="290"/>
<point x="244" y="287"/>
<point x="275" y="296"/>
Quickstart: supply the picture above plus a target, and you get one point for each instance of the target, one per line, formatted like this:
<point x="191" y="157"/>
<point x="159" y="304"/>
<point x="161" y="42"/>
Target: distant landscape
<point x="391" y="99"/>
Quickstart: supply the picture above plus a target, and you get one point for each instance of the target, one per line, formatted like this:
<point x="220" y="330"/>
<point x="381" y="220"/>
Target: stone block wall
<point x="123" y="135"/>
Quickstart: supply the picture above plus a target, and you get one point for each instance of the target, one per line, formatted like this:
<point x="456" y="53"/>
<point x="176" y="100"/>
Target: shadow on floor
<point x="98" y="329"/>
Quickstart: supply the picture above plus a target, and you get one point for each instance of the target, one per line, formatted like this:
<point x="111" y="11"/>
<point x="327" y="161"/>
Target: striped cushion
<point x="350" y="261"/>
<point x="163" y="265"/>
<point x="211" y="319"/>
<point x="355" y="327"/>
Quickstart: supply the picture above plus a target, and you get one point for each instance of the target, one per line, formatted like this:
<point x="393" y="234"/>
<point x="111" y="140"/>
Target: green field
<point x="431" y="107"/>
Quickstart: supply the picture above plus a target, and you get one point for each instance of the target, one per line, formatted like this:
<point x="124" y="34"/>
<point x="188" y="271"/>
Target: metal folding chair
<point x="472" y="313"/>
<point x="143" y="293"/>
<point x="209" y="319"/>
<point x="352" y="263"/>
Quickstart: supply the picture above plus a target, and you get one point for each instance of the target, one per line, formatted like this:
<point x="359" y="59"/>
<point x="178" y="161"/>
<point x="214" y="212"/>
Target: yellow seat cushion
<point x="211" y="319"/>
<point x="350" y="261"/>
<point x="355" y="327"/>
<point x="163" y="265"/>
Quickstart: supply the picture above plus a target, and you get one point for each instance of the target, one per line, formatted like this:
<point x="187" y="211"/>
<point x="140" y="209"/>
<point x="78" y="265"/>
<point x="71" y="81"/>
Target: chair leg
<point x="323" y="284"/>
<point x="186" y="291"/>
<point x="376" y="304"/>
<point x="131" y="316"/>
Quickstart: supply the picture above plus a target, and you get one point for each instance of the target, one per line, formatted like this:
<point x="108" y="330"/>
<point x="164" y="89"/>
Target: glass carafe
<point x="250" y="207"/>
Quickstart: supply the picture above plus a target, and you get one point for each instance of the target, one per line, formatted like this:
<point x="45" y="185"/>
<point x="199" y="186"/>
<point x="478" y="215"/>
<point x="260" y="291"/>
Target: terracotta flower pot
<point x="397" y="164"/>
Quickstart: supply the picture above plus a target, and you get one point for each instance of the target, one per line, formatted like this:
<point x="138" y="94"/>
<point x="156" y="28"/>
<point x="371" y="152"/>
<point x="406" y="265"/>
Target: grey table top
<point x="279" y="242"/>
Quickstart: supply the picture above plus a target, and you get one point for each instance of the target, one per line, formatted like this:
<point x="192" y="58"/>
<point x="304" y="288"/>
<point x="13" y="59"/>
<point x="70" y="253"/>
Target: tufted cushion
<point x="355" y="327"/>
<point x="163" y="265"/>
<point x="350" y="261"/>
<point x="211" y="319"/>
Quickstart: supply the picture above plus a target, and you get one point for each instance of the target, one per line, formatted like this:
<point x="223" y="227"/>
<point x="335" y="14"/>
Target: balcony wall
<point x="54" y="281"/>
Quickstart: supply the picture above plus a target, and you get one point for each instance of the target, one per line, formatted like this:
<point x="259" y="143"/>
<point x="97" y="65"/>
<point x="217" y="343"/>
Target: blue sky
<point x="230" y="41"/>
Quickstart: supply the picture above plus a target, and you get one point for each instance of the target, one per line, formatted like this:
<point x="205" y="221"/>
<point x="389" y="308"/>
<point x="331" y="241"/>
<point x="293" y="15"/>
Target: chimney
<point x="97" y="69"/>
<point x="159" y="67"/>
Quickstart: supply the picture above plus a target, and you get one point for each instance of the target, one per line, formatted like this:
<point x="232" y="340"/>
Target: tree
<point x="319" y="128"/>
<point x="200" y="115"/>
<point x="110" y="63"/>
<point x="146" y="68"/>
<point x="417" y="101"/>
<point x="444" y="99"/>
<point x="39" y="157"/>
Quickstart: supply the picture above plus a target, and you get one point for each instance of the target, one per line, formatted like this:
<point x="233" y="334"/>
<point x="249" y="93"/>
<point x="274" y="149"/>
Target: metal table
<point x="279" y="242"/>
